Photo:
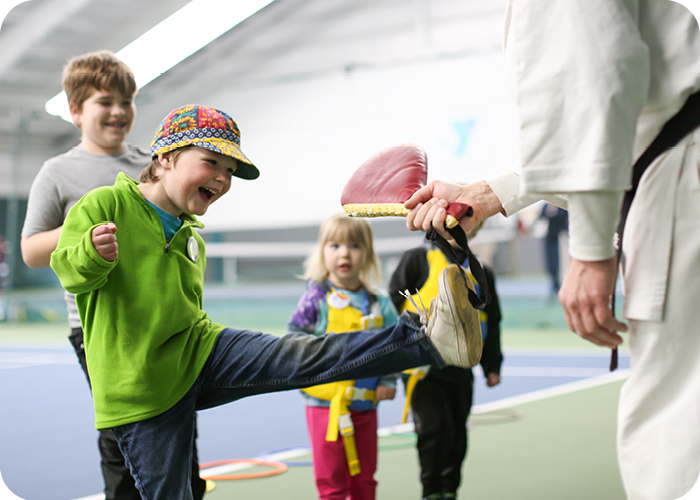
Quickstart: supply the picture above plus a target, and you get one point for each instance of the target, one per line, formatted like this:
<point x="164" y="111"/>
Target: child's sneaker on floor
<point x="452" y="324"/>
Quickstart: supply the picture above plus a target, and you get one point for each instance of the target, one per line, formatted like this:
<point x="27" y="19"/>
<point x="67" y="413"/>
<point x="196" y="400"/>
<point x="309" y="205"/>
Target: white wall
<point x="307" y="137"/>
<point x="318" y="87"/>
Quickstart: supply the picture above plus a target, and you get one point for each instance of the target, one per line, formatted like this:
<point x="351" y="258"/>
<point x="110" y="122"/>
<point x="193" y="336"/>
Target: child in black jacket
<point x="441" y="401"/>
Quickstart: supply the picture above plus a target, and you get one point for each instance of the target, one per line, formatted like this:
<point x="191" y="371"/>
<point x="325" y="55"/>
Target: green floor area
<point x="511" y="338"/>
<point x="562" y="448"/>
<point x="42" y="333"/>
<point x="547" y="339"/>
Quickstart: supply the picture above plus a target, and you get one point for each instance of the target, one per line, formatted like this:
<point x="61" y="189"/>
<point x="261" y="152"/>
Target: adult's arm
<point x="581" y="73"/>
<point x="581" y="84"/>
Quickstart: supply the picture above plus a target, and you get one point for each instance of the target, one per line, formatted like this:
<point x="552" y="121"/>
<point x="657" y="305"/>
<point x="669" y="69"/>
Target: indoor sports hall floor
<point x="547" y="432"/>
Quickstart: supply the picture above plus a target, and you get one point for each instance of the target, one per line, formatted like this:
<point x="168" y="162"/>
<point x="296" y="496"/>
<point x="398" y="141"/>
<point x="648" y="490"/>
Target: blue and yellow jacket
<point x="316" y="315"/>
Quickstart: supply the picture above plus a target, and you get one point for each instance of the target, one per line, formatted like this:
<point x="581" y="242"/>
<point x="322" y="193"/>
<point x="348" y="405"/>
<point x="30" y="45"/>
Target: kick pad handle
<point x="456" y="211"/>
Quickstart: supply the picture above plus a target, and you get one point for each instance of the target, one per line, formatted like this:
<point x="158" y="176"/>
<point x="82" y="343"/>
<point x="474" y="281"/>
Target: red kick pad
<point x="389" y="177"/>
<point x="383" y="183"/>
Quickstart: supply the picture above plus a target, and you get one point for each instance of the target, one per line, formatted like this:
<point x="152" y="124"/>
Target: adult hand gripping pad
<point x="383" y="183"/>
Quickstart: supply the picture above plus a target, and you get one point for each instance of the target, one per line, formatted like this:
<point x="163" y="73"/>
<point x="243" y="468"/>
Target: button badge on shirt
<point x="338" y="300"/>
<point x="193" y="249"/>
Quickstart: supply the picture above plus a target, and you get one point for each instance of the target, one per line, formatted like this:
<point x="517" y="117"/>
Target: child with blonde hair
<point x="343" y="272"/>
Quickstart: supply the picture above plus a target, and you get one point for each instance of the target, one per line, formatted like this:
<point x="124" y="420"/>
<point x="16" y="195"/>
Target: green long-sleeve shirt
<point x="146" y="334"/>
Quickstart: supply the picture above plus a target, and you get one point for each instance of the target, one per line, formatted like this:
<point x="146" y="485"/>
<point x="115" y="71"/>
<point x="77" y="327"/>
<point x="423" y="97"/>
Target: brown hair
<point x="342" y="228"/>
<point x="150" y="173"/>
<point x="96" y="70"/>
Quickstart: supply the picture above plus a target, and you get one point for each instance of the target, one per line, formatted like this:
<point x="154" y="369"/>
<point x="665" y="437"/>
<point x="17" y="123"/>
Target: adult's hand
<point x="585" y="296"/>
<point x="427" y="205"/>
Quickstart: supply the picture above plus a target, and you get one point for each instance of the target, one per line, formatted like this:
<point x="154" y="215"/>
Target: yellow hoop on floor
<point x="277" y="468"/>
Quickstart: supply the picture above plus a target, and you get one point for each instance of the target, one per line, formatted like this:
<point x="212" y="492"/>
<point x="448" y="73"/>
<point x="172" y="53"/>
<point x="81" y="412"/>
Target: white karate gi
<point x="594" y="81"/>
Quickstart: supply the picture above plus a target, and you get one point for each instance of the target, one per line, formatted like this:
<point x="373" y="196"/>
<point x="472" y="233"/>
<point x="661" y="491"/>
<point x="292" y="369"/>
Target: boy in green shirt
<point x="100" y="90"/>
<point x="132" y="256"/>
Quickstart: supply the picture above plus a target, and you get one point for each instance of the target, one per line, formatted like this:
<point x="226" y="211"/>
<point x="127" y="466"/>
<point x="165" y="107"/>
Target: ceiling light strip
<point x="173" y="40"/>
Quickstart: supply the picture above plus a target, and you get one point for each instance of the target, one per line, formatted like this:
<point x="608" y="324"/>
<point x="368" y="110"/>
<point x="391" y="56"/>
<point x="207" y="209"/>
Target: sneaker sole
<point x="459" y="304"/>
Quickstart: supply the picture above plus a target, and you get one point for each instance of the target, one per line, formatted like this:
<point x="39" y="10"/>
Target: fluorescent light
<point x="179" y="36"/>
<point x="6" y="6"/>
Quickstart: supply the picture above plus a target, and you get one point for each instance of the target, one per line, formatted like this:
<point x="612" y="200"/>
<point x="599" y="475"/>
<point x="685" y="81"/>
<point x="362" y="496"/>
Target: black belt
<point x="679" y="126"/>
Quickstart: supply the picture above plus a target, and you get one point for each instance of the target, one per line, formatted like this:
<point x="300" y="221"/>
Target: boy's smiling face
<point x="105" y="119"/>
<point x="194" y="181"/>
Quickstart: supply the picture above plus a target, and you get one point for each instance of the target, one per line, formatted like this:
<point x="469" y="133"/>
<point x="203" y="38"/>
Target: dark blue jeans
<point x="242" y="363"/>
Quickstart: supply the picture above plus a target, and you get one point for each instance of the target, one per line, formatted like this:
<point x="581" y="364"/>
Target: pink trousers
<point x="333" y="479"/>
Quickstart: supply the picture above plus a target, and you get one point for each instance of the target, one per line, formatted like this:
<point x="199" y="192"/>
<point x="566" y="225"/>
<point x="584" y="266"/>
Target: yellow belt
<point x="341" y="395"/>
<point x="416" y="375"/>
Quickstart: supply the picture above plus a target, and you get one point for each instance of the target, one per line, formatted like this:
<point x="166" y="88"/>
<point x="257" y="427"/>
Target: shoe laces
<point x="421" y="310"/>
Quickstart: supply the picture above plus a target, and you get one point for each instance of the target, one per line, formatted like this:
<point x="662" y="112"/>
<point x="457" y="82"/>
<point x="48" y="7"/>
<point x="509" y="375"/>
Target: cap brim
<point x="246" y="170"/>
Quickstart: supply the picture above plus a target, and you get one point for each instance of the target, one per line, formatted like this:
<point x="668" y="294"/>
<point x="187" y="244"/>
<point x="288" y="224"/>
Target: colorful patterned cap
<point x="209" y="128"/>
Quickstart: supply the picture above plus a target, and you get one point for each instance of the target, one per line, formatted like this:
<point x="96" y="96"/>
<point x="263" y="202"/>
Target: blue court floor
<point x="48" y="447"/>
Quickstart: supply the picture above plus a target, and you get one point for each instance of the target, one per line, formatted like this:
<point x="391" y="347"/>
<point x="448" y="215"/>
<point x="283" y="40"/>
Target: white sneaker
<point x="452" y="323"/>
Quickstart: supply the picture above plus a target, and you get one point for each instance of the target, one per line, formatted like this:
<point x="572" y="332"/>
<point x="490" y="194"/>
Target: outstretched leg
<point x="243" y="363"/>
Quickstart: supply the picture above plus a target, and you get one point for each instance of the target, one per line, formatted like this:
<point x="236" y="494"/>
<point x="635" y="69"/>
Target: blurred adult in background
<point x="4" y="277"/>
<point x="557" y="223"/>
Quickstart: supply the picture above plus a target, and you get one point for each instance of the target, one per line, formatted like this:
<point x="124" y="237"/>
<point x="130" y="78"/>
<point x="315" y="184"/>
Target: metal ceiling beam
<point x="19" y="39"/>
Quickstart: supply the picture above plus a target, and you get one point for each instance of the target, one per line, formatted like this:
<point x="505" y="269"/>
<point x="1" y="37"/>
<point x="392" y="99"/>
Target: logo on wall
<point x="464" y="129"/>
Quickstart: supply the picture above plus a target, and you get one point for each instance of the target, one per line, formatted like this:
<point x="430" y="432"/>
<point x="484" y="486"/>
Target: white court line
<point x="559" y="352"/>
<point x="529" y="397"/>
<point x="21" y="360"/>
<point x="552" y="371"/>
<point x="551" y="392"/>
<point x="547" y="371"/>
